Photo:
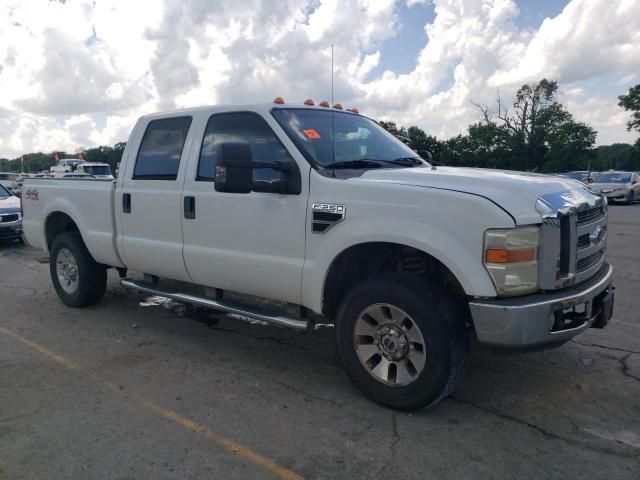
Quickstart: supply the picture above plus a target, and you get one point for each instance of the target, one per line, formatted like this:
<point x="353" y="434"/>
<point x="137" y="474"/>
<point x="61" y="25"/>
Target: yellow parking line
<point x="226" y="443"/>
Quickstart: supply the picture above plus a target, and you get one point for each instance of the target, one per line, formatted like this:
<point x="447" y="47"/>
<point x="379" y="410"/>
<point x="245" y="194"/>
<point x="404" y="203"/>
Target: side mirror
<point x="234" y="171"/>
<point x="426" y="155"/>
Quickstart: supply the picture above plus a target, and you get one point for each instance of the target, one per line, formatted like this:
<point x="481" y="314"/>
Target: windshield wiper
<point x="406" y="161"/>
<point x="362" y="163"/>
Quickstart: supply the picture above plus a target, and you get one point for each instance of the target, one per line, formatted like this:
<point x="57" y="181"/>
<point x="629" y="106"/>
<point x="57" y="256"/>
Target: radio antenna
<point x="332" y="74"/>
<point x="333" y="133"/>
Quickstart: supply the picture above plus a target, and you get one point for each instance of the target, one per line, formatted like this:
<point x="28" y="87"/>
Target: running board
<point x="215" y="305"/>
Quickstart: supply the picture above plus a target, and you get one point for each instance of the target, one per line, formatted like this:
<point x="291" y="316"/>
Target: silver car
<point x="618" y="186"/>
<point x="10" y="216"/>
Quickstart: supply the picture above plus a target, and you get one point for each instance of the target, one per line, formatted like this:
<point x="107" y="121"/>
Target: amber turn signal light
<point x="502" y="255"/>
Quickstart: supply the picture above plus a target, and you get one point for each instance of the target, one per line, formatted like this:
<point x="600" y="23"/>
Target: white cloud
<point x="589" y="38"/>
<point x="64" y="65"/>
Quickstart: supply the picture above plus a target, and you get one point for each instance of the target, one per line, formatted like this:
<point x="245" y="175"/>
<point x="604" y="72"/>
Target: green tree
<point x="391" y="127"/>
<point x="619" y="156"/>
<point x="542" y="134"/>
<point x="631" y="103"/>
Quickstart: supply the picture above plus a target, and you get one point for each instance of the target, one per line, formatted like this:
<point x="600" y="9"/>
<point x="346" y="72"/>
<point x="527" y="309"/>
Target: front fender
<point x="450" y="228"/>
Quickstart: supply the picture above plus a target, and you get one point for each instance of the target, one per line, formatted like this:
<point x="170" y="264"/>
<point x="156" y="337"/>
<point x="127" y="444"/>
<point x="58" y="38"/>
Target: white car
<point x="325" y="212"/>
<point x="98" y="170"/>
<point x="618" y="186"/>
<point x="66" y="165"/>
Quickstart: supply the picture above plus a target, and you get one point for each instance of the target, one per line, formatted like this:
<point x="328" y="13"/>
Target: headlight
<point x="511" y="258"/>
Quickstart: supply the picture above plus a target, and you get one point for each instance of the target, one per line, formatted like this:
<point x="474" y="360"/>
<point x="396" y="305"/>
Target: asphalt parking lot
<point x="134" y="389"/>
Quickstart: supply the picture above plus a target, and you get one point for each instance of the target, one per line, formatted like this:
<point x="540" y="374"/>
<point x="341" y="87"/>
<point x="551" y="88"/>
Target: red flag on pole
<point x="56" y="158"/>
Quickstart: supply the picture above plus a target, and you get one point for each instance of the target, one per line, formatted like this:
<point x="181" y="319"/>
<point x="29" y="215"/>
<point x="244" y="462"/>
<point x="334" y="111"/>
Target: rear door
<point x="149" y="198"/>
<point x="251" y="243"/>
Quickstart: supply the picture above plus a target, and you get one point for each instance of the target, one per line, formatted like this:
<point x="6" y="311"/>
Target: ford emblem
<point x="596" y="236"/>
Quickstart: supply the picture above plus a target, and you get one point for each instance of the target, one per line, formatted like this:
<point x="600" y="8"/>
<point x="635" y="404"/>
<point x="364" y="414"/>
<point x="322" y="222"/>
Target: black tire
<point x="632" y="198"/>
<point x="91" y="276"/>
<point x="433" y="311"/>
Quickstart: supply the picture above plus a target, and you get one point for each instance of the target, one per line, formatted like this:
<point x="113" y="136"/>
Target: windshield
<point x="326" y="137"/>
<point x="614" y="178"/>
<point x="4" y="193"/>
<point x="98" y="170"/>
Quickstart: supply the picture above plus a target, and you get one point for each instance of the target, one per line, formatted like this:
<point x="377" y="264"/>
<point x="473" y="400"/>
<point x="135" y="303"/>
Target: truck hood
<point x="9" y="204"/>
<point x="515" y="192"/>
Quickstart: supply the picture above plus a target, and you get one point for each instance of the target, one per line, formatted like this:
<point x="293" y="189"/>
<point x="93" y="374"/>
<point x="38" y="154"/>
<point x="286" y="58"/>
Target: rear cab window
<point x="161" y="148"/>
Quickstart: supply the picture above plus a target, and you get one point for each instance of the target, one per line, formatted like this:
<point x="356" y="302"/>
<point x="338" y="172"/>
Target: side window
<point x="247" y="127"/>
<point x="161" y="148"/>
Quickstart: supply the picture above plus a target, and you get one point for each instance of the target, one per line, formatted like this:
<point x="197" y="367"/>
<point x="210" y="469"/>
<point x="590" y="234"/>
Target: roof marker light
<point x="337" y="106"/>
<point x="309" y="101"/>
<point x="324" y="103"/>
<point x="278" y="100"/>
<point x="353" y="110"/>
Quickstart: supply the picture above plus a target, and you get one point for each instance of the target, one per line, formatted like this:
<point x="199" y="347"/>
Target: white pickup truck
<point x="325" y="212"/>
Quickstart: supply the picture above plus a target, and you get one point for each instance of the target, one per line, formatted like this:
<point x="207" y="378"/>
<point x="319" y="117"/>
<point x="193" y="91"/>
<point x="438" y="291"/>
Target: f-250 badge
<point x="326" y="215"/>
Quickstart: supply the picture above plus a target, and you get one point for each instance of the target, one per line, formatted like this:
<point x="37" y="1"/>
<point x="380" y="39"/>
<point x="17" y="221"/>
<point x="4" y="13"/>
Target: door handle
<point x="126" y="203"/>
<point x="190" y="207"/>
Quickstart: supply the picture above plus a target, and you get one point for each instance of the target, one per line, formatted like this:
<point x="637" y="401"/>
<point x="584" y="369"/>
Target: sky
<point x="77" y="73"/>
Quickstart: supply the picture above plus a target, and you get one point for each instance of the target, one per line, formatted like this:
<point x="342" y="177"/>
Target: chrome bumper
<point x="546" y="318"/>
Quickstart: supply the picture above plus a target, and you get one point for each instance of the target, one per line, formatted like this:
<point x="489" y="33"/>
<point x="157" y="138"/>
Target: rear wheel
<point x="77" y="278"/>
<point x="401" y="340"/>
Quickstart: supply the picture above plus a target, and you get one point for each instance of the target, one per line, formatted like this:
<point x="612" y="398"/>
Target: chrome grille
<point x="591" y="215"/>
<point x="13" y="217"/>
<point x="587" y="262"/>
<point x="583" y="241"/>
<point x="573" y="237"/>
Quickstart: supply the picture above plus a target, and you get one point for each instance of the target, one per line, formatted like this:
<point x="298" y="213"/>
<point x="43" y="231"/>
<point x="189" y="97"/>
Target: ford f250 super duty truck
<point x="320" y="209"/>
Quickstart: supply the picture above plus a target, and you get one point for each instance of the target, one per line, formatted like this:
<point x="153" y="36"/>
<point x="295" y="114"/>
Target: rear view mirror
<point x="234" y="171"/>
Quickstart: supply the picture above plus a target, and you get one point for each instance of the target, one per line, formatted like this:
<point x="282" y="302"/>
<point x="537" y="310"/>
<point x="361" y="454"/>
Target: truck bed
<point x="89" y="202"/>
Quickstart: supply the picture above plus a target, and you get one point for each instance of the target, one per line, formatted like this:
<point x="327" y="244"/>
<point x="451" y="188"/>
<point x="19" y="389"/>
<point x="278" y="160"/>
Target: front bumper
<point x="618" y="195"/>
<point x="544" y="319"/>
<point x="11" y="231"/>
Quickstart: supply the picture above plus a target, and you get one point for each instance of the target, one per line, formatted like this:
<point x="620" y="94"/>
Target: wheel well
<point x="364" y="260"/>
<point x="58" y="223"/>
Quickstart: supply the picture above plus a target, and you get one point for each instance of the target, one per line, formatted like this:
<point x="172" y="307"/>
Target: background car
<point x="580" y="175"/>
<point x="618" y="186"/>
<point x="584" y="176"/>
<point x="10" y="216"/>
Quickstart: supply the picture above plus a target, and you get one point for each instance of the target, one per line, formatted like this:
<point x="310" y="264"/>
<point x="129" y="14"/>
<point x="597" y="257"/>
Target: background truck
<point x="323" y="211"/>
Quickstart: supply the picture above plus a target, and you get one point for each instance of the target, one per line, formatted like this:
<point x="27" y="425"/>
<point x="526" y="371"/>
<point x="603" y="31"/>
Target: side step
<point x="152" y="289"/>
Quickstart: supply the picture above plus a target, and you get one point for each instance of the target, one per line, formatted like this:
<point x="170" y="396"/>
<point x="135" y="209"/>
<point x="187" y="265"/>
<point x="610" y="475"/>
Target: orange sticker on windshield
<point x="312" y="134"/>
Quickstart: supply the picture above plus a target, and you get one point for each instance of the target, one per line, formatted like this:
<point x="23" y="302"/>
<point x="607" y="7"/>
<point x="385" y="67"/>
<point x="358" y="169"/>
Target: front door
<point x="149" y="200"/>
<point x="250" y="243"/>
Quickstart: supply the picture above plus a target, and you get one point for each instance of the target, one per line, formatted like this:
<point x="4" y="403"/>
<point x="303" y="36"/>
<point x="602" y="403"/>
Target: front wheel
<point x="78" y="279"/>
<point x="401" y="340"/>
<point x="632" y="198"/>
